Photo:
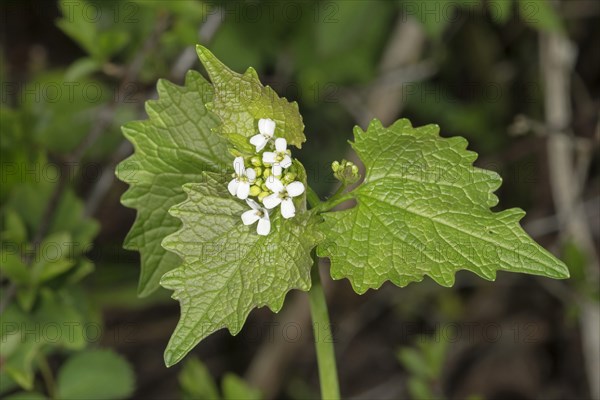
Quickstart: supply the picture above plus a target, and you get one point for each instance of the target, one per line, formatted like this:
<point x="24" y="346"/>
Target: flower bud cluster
<point x="267" y="178"/>
<point x="345" y="171"/>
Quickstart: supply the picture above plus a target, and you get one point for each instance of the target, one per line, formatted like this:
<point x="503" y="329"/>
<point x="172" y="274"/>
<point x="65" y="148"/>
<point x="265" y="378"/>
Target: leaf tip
<point x="171" y="358"/>
<point x="202" y="51"/>
<point x="251" y="73"/>
<point x="211" y="63"/>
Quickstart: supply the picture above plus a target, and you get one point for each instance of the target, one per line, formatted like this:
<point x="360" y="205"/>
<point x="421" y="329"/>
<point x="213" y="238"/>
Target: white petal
<point x="259" y="141"/>
<point x="264" y="227"/>
<point x="287" y="208"/>
<point x="271" y="201"/>
<point x="238" y="165"/>
<point x="249" y="217"/>
<point x="254" y="205"/>
<point x="277" y="170"/>
<point x="280" y="145"/>
<point x="233" y="186"/>
<point x="251" y="173"/>
<point x="266" y="127"/>
<point x="269" y="157"/>
<point x="243" y="190"/>
<point x="286" y="162"/>
<point x="274" y="184"/>
<point x="295" y="189"/>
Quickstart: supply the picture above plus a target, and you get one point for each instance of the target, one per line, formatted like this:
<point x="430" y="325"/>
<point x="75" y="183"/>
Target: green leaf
<point x="75" y="24"/>
<point x="13" y="227"/>
<point x="500" y="10"/>
<point x="413" y="360"/>
<point x="419" y="389"/>
<point x="196" y="381"/>
<point x="55" y="322"/>
<point x="235" y="388"/>
<point x="55" y="103"/>
<point x="13" y="268"/>
<point x="95" y="374"/>
<point x="16" y="151"/>
<point x="7" y="384"/>
<point x="53" y="257"/>
<point x="540" y="15"/>
<point x="96" y="29"/>
<point x="241" y="100"/>
<point x="227" y="268"/>
<point x="172" y="148"/>
<point x="423" y="209"/>
<point x="83" y="268"/>
<point x="341" y="25"/>
<point x="82" y="68"/>
<point x="69" y="236"/>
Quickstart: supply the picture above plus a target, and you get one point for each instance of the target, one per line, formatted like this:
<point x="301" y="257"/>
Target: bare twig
<point x="557" y="59"/>
<point x="205" y="34"/>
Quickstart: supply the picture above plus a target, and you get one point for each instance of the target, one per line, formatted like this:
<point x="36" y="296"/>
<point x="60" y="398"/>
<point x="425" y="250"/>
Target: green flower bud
<point x="262" y="195"/>
<point x="256" y="161"/>
<point x="255" y="191"/>
<point x="264" y="187"/>
<point x="345" y="171"/>
<point x="259" y="182"/>
<point x="289" y="177"/>
<point x="258" y="171"/>
<point x="267" y="172"/>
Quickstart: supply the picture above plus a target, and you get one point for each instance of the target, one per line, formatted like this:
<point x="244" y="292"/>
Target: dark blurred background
<point x="519" y="79"/>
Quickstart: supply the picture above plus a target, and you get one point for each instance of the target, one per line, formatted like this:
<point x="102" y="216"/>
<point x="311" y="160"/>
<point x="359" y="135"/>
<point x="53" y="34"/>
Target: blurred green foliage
<point x="197" y="383"/>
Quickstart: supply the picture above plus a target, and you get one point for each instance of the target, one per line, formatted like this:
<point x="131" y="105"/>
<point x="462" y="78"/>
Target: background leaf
<point x="235" y="388"/>
<point x="196" y="381"/>
<point x="55" y="322"/>
<point x="95" y="374"/>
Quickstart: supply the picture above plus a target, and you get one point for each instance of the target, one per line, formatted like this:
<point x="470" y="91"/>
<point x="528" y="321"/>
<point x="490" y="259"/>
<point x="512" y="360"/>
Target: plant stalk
<point x="47" y="375"/>
<point x="328" y="376"/>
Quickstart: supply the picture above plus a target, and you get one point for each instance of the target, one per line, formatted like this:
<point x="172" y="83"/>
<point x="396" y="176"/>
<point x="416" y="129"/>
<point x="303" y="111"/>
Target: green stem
<point x="47" y="375"/>
<point x="312" y="197"/>
<point x="323" y="339"/>
<point x="333" y="201"/>
<point x="321" y="206"/>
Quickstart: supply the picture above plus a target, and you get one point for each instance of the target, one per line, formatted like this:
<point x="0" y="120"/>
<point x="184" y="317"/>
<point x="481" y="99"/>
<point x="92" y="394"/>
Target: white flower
<point x="283" y="195"/>
<point x="240" y="185"/>
<point x="259" y="214"/>
<point x="280" y="159"/>
<point x="266" y="127"/>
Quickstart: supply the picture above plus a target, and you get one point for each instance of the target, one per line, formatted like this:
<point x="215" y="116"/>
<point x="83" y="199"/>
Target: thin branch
<point x="206" y="32"/>
<point x="557" y="56"/>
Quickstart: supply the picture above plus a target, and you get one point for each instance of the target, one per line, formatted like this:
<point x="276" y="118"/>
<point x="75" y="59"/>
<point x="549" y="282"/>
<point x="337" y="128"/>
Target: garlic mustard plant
<point x="421" y="210"/>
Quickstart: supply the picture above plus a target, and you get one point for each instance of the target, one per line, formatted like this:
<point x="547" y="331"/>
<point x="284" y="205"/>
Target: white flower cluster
<point x="269" y="177"/>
